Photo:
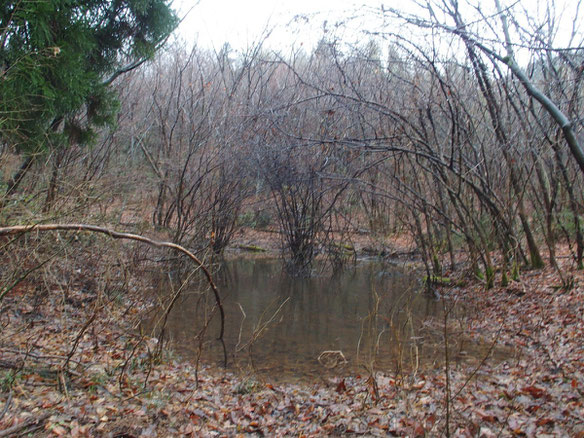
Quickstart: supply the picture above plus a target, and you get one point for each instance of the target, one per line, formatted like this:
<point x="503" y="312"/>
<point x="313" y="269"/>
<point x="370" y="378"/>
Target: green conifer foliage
<point x="57" y="59"/>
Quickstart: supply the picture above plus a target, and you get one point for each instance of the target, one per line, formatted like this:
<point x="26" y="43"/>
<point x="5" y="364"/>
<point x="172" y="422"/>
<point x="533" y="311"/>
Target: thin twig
<point x="20" y="229"/>
<point x="32" y="421"/>
<point x="6" y="405"/>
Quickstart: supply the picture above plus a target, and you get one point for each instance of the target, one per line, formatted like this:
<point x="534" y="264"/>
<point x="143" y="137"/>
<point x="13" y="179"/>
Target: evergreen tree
<point x="58" y="58"/>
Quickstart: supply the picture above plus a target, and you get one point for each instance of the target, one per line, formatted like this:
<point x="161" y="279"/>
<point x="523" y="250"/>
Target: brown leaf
<point x="545" y="422"/>
<point x="59" y="430"/>
<point x="534" y="391"/>
<point x="419" y="430"/>
<point x="489" y="418"/>
<point x="431" y="419"/>
<point x="419" y="385"/>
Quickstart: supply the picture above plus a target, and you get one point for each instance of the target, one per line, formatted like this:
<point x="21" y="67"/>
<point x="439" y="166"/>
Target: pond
<point x="372" y="314"/>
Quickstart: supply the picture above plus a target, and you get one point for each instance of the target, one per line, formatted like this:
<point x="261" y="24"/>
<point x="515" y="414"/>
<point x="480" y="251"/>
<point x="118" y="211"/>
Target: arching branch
<point x="21" y="229"/>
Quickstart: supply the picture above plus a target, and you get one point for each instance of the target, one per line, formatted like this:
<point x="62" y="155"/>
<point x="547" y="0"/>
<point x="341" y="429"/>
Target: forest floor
<point x="75" y="366"/>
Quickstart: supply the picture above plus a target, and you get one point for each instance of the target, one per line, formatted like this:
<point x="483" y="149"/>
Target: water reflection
<point x="283" y="324"/>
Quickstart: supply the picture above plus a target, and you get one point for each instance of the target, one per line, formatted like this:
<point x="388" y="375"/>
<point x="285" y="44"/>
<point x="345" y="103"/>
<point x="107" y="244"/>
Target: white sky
<point x="242" y="22"/>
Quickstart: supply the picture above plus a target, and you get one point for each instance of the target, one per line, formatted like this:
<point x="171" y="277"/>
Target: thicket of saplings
<point x="379" y="138"/>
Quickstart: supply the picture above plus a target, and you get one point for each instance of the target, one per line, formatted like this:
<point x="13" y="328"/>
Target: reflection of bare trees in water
<point x="275" y="322"/>
<point x="390" y="329"/>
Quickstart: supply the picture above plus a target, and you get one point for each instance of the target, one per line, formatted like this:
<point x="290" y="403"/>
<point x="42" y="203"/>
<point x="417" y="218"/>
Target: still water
<point x="277" y="326"/>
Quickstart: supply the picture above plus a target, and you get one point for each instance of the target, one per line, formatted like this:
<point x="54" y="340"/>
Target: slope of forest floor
<point x="112" y="385"/>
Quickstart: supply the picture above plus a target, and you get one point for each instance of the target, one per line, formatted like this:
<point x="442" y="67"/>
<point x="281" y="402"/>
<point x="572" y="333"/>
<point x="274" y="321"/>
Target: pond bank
<point x="113" y="386"/>
<point x="267" y="243"/>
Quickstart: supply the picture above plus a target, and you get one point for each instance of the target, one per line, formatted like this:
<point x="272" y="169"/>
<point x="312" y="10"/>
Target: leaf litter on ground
<point x="114" y="386"/>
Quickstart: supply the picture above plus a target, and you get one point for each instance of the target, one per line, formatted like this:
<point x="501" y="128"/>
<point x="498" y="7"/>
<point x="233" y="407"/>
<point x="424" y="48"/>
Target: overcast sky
<point x="242" y="23"/>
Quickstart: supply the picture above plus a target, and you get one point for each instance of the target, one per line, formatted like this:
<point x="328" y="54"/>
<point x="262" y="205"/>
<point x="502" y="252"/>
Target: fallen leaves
<point x="534" y="391"/>
<point x="537" y="392"/>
